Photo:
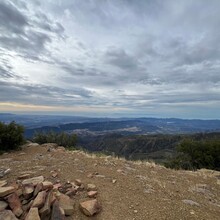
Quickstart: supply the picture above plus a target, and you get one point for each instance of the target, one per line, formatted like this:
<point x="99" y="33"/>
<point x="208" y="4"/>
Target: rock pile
<point x="38" y="199"/>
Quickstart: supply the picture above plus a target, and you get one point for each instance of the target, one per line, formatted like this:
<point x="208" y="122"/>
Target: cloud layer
<point x="125" y="57"/>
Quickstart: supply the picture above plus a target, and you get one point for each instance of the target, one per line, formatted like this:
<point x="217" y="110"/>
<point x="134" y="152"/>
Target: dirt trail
<point x="141" y="191"/>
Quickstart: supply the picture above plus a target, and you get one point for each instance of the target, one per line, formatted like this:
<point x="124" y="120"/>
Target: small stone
<point x="39" y="200"/>
<point x="3" y="183"/>
<point x="3" y="205"/>
<point x="135" y="211"/>
<point x="114" y="181"/>
<point x="28" y="191"/>
<point x="92" y="194"/>
<point x="4" y="191"/>
<point x="78" y="182"/>
<point x="54" y="175"/>
<point x="24" y="176"/>
<point x="190" y="202"/>
<point x="192" y="212"/>
<point x="33" y="214"/>
<point x="71" y="192"/>
<point x="57" y="186"/>
<point x="4" y="172"/>
<point x="15" y="204"/>
<point x="7" y="215"/>
<point x="19" y="192"/>
<point x="34" y="180"/>
<point x="66" y="204"/>
<point x="57" y="212"/>
<point x="60" y="148"/>
<point x="38" y="188"/>
<point x="81" y="188"/>
<point x="90" y="175"/>
<point x="90" y="207"/>
<point x="47" y="185"/>
<point x="91" y="187"/>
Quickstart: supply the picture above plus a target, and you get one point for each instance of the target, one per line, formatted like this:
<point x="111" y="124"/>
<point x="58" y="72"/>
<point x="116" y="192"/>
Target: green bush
<point x="196" y="154"/>
<point x="11" y="136"/>
<point x="62" y="139"/>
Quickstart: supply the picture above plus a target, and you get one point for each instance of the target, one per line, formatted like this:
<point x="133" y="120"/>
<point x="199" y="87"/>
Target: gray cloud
<point x="137" y="55"/>
<point x="121" y="59"/>
<point x="11" y="19"/>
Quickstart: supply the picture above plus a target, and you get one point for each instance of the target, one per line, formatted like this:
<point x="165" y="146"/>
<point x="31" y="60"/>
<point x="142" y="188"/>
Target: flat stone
<point x="15" y="204"/>
<point x="7" y="215"/>
<point x="28" y="191"/>
<point x="91" y="187"/>
<point x="57" y="186"/>
<point x="92" y="194"/>
<point x="90" y="207"/>
<point x="60" y="148"/>
<point x="190" y="202"/>
<point x="3" y="183"/>
<point x="4" y="172"/>
<point x="66" y="204"/>
<point x="4" y="191"/>
<point x="45" y="210"/>
<point x="78" y="182"/>
<point x="38" y="188"/>
<point x="33" y="214"/>
<point x="24" y="176"/>
<point x="57" y="212"/>
<point x="34" y="180"/>
<point x="3" y="205"/>
<point x="55" y="174"/>
<point x="47" y="185"/>
<point x="39" y="200"/>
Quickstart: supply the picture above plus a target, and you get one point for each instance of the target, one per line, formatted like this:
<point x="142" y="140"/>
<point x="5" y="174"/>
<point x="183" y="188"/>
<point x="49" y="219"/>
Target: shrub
<point x="197" y="154"/>
<point x="62" y="139"/>
<point x="11" y="136"/>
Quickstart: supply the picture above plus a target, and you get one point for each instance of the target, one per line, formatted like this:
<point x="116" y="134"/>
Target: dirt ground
<point x="142" y="190"/>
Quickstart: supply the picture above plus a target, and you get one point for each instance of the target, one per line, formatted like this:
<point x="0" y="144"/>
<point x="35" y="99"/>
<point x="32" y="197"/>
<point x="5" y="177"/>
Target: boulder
<point x="33" y="214"/>
<point x="4" y="191"/>
<point x="90" y="207"/>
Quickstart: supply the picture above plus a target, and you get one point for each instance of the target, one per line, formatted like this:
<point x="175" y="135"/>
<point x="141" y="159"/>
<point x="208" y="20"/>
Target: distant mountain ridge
<point x="85" y="126"/>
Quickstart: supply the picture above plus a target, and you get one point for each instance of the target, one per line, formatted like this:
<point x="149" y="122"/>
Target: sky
<point x="152" y="58"/>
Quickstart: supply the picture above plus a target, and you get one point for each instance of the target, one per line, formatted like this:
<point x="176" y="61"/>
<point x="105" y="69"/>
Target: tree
<point x="197" y="154"/>
<point x="62" y="139"/>
<point x="11" y="136"/>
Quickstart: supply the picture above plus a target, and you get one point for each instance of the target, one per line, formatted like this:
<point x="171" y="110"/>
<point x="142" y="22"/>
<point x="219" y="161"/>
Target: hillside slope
<point x="126" y="190"/>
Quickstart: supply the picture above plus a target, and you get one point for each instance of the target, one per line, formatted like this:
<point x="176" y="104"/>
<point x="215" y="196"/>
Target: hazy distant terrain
<point x="96" y="126"/>
<point x="134" y="138"/>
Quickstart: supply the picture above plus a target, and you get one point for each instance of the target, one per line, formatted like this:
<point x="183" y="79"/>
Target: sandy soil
<point x="141" y="191"/>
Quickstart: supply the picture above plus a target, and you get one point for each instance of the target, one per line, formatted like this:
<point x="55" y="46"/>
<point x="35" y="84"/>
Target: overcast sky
<point x="157" y="58"/>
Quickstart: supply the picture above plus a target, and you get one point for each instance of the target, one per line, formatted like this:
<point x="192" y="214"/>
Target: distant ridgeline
<point x="127" y="127"/>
